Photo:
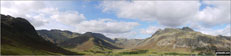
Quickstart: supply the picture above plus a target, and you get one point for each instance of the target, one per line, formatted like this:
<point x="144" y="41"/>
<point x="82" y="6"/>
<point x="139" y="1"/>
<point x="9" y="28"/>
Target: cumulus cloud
<point x="69" y="17"/>
<point x="222" y="31"/>
<point x="214" y="15"/>
<point x="129" y="35"/>
<point x="25" y="9"/>
<point x="171" y="13"/>
<point x="218" y="13"/>
<point x="37" y="20"/>
<point x="106" y="26"/>
<point x="225" y="31"/>
<point x="20" y="8"/>
<point x="42" y="16"/>
<point x="38" y="14"/>
<point x="168" y="13"/>
<point x="174" y="13"/>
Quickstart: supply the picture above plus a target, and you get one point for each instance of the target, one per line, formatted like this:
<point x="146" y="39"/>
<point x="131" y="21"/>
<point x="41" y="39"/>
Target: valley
<point x="18" y="37"/>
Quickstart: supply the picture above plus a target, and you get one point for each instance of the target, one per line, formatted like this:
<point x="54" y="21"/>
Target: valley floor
<point x="136" y="52"/>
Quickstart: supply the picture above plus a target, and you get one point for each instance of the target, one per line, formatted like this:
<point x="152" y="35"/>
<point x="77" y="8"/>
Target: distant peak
<point x="55" y="30"/>
<point x="187" y="29"/>
<point x="167" y="30"/>
<point x="120" y="39"/>
<point x="88" y="33"/>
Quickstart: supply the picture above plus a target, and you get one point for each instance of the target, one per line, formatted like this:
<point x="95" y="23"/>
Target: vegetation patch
<point x="135" y="52"/>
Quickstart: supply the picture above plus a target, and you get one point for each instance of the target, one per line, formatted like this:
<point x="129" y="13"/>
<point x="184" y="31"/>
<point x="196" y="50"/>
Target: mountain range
<point x="18" y="36"/>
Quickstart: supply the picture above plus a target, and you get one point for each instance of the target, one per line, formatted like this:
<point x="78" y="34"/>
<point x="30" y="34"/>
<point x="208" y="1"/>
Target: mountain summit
<point x="187" y="29"/>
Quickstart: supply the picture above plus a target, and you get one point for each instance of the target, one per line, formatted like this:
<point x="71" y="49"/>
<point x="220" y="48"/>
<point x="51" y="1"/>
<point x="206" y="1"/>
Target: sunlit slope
<point x="184" y="40"/>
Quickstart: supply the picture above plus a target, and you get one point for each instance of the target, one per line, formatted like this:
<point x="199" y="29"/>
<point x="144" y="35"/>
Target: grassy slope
<point x="90" y="47"/>
<point x="22" y="50"/>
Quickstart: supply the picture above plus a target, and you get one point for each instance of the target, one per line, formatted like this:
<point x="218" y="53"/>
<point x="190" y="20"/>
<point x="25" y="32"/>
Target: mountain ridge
<point x="186" y="39"/>
<point x="57" y="36"/>
<point x="93" y="38"/>
<point x="19" y="37"/>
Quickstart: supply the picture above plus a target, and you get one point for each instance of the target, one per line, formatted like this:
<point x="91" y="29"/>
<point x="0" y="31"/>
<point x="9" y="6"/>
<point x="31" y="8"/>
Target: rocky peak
<point x="93" y="34"/>
<point x="117" y="39"/>
<point x="169" y="30"/>
<point x="55" y="30"/>
<point x="89" y="34"/>
<point x="187" y="29"/>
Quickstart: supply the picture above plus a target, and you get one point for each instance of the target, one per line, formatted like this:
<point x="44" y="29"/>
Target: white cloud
<point x="129" y="35"/>
<point x="43" y="17"/>
<point x="37" y="20"/>
<point x="38" y="14"/>
<point x="108" y="27"/>
<point x="174" y="13"/>
<point x="168" y="13"/>
<point x="222" y="31"/>
<point x="20" y="8"/>
<point x="25" y="9"/>
<point x="69" y="17"/>
<point x="105" y="26"/>
<point x="218" y="13"/>
<point x="49" y="11"/>
<point x="226" y="31"/>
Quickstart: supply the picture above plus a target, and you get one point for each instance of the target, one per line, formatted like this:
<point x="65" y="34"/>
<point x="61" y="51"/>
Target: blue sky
<point x="125" y="19"/>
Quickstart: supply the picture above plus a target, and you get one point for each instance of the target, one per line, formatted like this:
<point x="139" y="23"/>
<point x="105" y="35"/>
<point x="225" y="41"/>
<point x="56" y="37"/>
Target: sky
<point x="124" y="18"/>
